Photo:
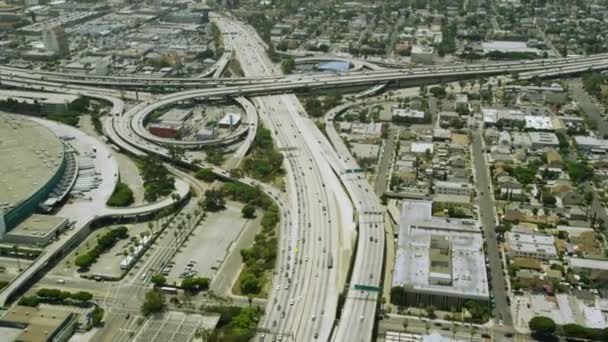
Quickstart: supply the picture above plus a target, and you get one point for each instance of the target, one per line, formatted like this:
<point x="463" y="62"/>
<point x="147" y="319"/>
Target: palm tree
<point x="16" y="250"/>
<point x="405" y="324"/>
<point x="151" y="227"/>
<point x="131" y="250"/>
<point x="427" y="327"/>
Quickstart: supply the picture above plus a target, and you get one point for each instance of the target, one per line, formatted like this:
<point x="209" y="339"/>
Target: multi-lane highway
<point x="315" y="302"/>
<point x="304" y="297"/>
<point x="327" y="80"/>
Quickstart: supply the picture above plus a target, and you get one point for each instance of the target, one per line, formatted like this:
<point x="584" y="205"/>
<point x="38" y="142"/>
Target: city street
<point x="488" y="220"/>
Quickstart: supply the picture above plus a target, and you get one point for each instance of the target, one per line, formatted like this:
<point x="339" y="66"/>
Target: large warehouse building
<point x="32" y="162"/>
<point x="439" y="261"/>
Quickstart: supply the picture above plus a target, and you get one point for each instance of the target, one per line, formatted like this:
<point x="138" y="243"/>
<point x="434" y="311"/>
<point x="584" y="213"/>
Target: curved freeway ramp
<point x="139" y="116"/>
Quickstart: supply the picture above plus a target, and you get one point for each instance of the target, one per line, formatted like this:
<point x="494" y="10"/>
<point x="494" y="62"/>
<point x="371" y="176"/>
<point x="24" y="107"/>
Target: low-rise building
<point x="422" y="54"/>
<point x="37" y="230"/>
<point x="230" y="120"/>
<point x="454" y="188"/>
<point x="540" y="140"/>
<point x="50" y="103"/>
<point x="439" y="261"/>
<point x="591" y="144"/>
<point x="521" y="244"/>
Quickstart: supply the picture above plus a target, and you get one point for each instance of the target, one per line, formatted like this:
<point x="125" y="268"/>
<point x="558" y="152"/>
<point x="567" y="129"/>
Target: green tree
<point x="205" y="174"/>
<point x="543" y="325"/>
<point x="287" y="65"/>
<point x="155" y="302"/>
<point x="158" y="280"/>
<point x="82" y="296"/>
<point x="214" y="201"/>
<point x="248" y="211"/>
<point x="314" y="107"/>
<point x="250" y="284"/>
<point x="97" y="316"/>
<point x="122" y="196"/>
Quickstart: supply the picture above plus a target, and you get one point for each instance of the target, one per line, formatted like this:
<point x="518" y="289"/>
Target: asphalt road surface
<point x="486" y="208"/>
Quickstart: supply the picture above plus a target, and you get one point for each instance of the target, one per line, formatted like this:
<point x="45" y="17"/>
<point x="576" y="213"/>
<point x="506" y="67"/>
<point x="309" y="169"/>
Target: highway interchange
<point x="328" y="204"/>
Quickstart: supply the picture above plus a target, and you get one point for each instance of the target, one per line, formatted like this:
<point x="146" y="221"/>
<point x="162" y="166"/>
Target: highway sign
<point x="368" y="288"/>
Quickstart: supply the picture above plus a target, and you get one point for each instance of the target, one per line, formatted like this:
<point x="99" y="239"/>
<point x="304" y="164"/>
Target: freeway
<point x="358" y="314"/>
<point x="305" y="285"/>
<point x="403" y="77"/>
<point x="359" y="307"/>
<point x="365" y="77"/>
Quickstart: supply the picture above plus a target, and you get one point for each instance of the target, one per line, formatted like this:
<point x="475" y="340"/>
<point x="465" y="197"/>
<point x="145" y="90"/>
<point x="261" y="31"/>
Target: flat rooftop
<point x="41" y="323"/>
<point x="31" y="96"/>
<point x="593" y="264"/>
<point x="176" y="115"/>
<point x="38" y="225"/>
<point x="439" y="256"/>
<point x="30" y="154"/>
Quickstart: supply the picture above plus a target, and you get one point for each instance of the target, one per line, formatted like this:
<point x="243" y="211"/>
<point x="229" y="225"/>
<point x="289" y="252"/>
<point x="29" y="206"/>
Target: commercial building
<point x="598" y="268"/>
<point x="40" y="325"/>
<point x="507" y="47"/>
<point x="408" y="113"/>
<point x="32" y="162"/>
<point x="50" y="103"/>
<point x="505" y="118"/>
<point x="541" y="140"/>
<point x="439" y="261"/>
<point x="206" y="133"/>
<point x="230" y="120"/>
<point x="56" y="40"/>
<point x="454" y="188"/>
<point x="591" y="144"/>
<point x="164" y="130"/>
<point x="538" y="123"/>
<point x="176" y="116"/>
<point x="37" y="230"/>
<point x="422" y="54"/>
<point x="530" y="245"/>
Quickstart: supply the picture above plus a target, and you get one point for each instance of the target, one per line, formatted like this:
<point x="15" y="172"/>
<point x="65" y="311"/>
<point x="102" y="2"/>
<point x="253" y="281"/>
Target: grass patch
<point x="121" y="197"/>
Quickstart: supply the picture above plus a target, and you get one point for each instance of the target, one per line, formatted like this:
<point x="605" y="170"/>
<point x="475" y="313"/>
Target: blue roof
<point x="334" y="66"/>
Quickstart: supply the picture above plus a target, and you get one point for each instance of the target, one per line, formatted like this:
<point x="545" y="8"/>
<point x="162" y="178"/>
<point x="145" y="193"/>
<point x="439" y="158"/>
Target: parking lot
<point x="108" y="263"/>
<point x="174" y="326"/>
<point x="204" y="252"/>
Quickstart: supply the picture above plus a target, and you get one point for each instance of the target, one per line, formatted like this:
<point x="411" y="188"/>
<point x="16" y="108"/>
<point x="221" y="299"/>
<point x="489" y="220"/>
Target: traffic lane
<point x="486" y="207"/>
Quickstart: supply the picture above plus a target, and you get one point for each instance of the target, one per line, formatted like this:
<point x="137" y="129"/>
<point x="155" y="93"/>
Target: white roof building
<point x="591" y="143"/>
<point x="230" y="120"/>
<point x="439" y="256"/>
<point x="507" y="47"/>
<point x="541" y="123"/>
<point x="531" y="245"/>
<point x="408" y="113"/>
<point x="543" y="139"/>
<point x="421" y="147"/>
